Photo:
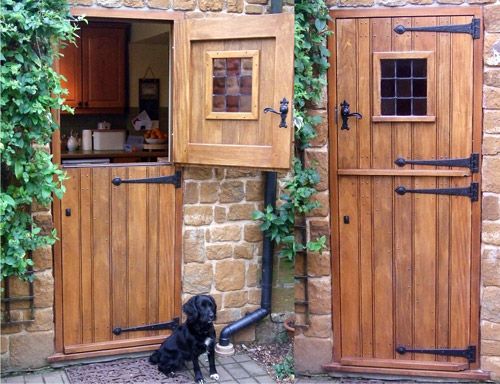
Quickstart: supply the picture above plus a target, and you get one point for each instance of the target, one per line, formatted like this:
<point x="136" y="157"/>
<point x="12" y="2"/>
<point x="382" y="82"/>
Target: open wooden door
<point x="406" y="173"/>
<point x="226" y="72"/>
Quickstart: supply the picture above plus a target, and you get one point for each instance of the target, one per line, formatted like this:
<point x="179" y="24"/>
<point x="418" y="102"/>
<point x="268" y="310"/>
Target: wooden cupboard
<point x="95" y="69"/>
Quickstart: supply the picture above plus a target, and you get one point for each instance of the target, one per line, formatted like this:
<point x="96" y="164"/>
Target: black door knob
<point x="345" y="113"/>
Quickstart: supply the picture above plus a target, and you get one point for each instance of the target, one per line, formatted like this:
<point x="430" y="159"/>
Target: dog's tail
<point x="154" y="358"/>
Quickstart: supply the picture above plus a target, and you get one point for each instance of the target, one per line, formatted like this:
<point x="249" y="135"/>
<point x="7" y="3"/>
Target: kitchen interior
<point x="118" y="79"/>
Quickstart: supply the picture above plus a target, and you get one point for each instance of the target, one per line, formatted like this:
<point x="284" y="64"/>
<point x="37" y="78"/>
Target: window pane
<point x="387" y="107"/>
<point x="419" y="68"/>
<point x="219" y="67"/>
<point x="403" y="88"/>
<point x="232" y="85"/>
<point x="403" y="68"/>
<point x="419" y="88"/>
<point x="245" y="103"/>
<point x="218" y="103"/>
<point x="387" y="68"/>
<point x="219" y="86"/>
<point x="246" y="85"/>
<point x="387" y="88"/>
<point x="233" y="66"/>
<point x="419" y="107"/>
<point x="403" y="107"/>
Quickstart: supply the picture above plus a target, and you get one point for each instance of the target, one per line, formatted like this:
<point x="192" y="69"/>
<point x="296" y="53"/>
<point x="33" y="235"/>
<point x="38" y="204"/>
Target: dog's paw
<point x="200" y="381"/>
<point x="214" y="376"/>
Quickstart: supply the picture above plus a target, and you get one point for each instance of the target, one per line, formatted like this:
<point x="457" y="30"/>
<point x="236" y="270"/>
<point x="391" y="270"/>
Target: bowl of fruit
<point x="155" y="136"/>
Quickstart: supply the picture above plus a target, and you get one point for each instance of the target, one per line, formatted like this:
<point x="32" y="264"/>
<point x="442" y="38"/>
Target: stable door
<point x="406" y="186"/>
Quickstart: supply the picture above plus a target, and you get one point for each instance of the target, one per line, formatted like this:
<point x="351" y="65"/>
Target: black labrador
<point x="190" y="340"/>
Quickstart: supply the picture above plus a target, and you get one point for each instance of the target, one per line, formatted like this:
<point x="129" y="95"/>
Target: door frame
<point x="476" y="12"/>
<point x="110" y="15"/>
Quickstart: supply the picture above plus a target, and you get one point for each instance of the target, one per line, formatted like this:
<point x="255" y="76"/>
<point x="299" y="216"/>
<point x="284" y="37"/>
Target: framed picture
<point x="149" y="97"/>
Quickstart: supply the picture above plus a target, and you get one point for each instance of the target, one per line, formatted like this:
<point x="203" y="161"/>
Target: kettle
<point x="72" y="143"/>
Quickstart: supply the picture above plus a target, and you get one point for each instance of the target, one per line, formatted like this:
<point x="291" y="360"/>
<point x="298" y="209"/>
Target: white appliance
<point x="112" y="139"/>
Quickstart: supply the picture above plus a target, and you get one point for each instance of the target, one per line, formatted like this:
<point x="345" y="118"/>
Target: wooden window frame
<point x="431" y="84"/>
<point x="209" y="60"/>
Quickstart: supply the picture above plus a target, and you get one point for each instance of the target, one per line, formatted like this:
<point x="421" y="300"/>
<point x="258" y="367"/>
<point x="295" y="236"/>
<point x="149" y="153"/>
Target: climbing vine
<point x="31" y="31"/>
<point x="311" y="65"/>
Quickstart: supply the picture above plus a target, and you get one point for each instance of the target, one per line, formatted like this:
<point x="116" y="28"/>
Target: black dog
<point x="190" y="340"/>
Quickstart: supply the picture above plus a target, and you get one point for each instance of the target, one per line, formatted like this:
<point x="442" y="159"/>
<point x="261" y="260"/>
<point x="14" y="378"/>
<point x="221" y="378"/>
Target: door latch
<point x="283" y="112"/>
<point x="345" y="113"/>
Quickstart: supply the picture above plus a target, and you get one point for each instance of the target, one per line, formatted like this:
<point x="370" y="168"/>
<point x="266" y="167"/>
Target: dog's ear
<point x="190" y="308"/>
<point x="215" y="306"/>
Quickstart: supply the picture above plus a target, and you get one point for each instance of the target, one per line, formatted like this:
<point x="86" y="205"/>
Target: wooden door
<point x="70" y="68"/>
<point x="226" y="72"/>
<point x="103" y="54"/>
<point x="406" y="266"/>
<point x="119" y="267"/>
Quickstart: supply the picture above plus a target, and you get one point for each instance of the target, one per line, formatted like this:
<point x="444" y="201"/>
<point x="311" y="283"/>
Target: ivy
<point x="31" y="32"/>
<point x="311" y="65"/>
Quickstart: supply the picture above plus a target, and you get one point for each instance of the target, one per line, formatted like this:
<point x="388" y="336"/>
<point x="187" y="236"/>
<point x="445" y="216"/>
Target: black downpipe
<point x="267" y="272"/>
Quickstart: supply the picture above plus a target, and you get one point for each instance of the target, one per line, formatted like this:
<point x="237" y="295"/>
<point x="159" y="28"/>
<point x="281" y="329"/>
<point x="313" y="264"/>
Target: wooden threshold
<point x="403" y="172"/>
<point x="58" y="357"/>
<point x="115" y="344"/>
<point x="464" y="375"/>
<point x="405" y="364"/>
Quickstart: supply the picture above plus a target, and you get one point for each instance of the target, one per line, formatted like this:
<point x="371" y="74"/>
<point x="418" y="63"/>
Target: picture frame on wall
<point x="149" y="97"/>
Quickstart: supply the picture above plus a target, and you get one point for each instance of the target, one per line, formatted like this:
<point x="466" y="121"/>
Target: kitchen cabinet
<point x="95" y="69"/>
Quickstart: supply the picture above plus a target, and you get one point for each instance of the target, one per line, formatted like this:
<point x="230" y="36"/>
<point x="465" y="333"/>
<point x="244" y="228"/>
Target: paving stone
<point x="241" y="358"/>
<point x="252" y="368"/>
<point x="236" y="371"/>
<point x="33" y="379"/>
<point x="13" y="380"/>
<point x="224" y="374"/>
<point x="58" y="377"/>
<point x="264" y="380"/>
<point x="248" y="380"/>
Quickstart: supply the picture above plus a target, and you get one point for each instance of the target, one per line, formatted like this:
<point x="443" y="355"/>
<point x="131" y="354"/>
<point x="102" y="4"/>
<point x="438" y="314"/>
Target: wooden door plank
<point x="101" y="273"/>
<point x="424" y="235"/>
<point x="383" y="328"/>
<point x="443" y="127"/>
<point x="86" y="261"/>
<point x="405" y="364"/>
<point x="70" y="235"/>
<point x="137" y="245"/>
<point x="347" y="90"/>
<point x="460" y="252"/>
<point x="349" y="267"/>
<point x="119" y="251"/>
<point x="402" y="216"/>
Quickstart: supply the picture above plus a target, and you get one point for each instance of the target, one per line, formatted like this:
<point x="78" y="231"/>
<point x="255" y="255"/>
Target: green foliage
<point x="311" y="64"/>
<point x="286" y="368"/>
<point x="31" y="31"/>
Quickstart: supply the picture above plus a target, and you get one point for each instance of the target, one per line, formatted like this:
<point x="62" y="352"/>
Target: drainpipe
<point x="224" y="347"/>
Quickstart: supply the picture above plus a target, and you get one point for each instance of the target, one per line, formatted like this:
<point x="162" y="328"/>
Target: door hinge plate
<point x="473" y="28"/>
<point x="471" y="162"/>
<point x="471" y="191"/>
<point x="469" y="353"/>
<point x="149" y="327"/>
<point x="174" y="179"/>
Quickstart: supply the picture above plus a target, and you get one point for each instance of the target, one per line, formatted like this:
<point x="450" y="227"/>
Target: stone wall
<point x="313" y="347"/>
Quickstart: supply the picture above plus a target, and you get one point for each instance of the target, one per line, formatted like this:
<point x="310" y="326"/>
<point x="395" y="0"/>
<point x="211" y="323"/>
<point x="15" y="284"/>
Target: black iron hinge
<point x="174" y="179"/>
<point x="471" y="162"/>
<point x="469" y="353"/>
<point x="149" y="327"/>
<point x="471" y="191"/>
<point x="473" y="28"/>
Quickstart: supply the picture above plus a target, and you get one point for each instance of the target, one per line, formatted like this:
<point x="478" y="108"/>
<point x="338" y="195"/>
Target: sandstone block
<point x="4" y="344"/>
<point x="491" y="233"/>
<point x="490" y="266"/>
<point x="321" y="129"/>
<point x="252" y="275"/>
<point x="318" y="264"/>
<point x="228" y="315"/>
<point x="229" y="275"/>
<point x="318" y="160"/>
<point x="218" y="299"/>
<point x="197" y="278"/>
<point x="30" y="350"/>
<point x="43" y="286"/>
<point x="209" y="192"/>
<point x="492" y="49"/>
<point x="211" y="5"/>
<point x="355" y="3"/>
<point x="254" y="296"/>
<point x="490" y="348"/>
<point x="299" y="291"/>
<point x="225" y="233"/>
<point x="421" y="2"/>
<point x="310" y="353"/>
<point x="252" y="233"/>
<point x="392" y="3"/>
<point x="490" y="331"/>
<point x="159" y="4"/>
<point x="110" y="3"/>
<point x="235" y="6"/>
<point x="243" y="251"/>
<point x="18" y="287"/>
<point x="491" y="178"/>
<point x="219" y="251"/>
<point x="324" y="209"/>
<point x="220" y="215"/>
<point x="491" y="121"/>
<point x="37" y="207"/>
<point x="490" y="208"/>
<point x="492" y="18"/>
<point x="450" y="1"/>
<point x="42" y="257"/>
<point x="492" y="364"/>
<point x="490" y="303"/>
<point x="318" y="228"/>
<point x="491" y="95"/>
<point x="44" y="221"/>
<point x="320" y="293"/>
<point x="133" y="3"/>
<point x="254" y="9"/>
<point x="193" y="241"/>
<point x="231" y="191"/>
<point x="241" y="211"/>
<point x="320" y="326"/>
<point x="492" y="77"/>
<point x="198" y="215"/>
<point x="491" y="143"/>
<point x="235" y="299"/>
<point x="481" y="1"/>
<point x="84" y="2"/>
<point x="195" y="173"/>
<point x="44" y="320"/>
<point x="235" y="173"/>
<point x="254" y="190"/>
<point x="263" y="2"/>
<point x="245" y="335"/>
<point x="191" y="193"/>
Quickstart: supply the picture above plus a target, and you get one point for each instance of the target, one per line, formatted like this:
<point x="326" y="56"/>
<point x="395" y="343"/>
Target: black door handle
<point x="283" y="112"/>
<point x="345" y="113"/>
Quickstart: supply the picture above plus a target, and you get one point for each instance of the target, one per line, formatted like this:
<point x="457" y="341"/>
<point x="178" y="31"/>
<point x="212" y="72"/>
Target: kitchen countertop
<point x="79" y="154"/>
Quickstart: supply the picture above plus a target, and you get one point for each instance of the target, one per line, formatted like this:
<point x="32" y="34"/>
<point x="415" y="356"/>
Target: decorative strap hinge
<point x="174" y="179"/>
<point x="149" y="327"/>
<point x="471" y="162"/>
<point x="469" y="353"/>
<point x="473" y="28"/>
<point x="471" y="191"/>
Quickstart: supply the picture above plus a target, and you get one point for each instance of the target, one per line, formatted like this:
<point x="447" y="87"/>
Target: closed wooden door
<point x="118" y="262"/>
<point x="70" y="66"/>
<point x="406" y="234"/>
